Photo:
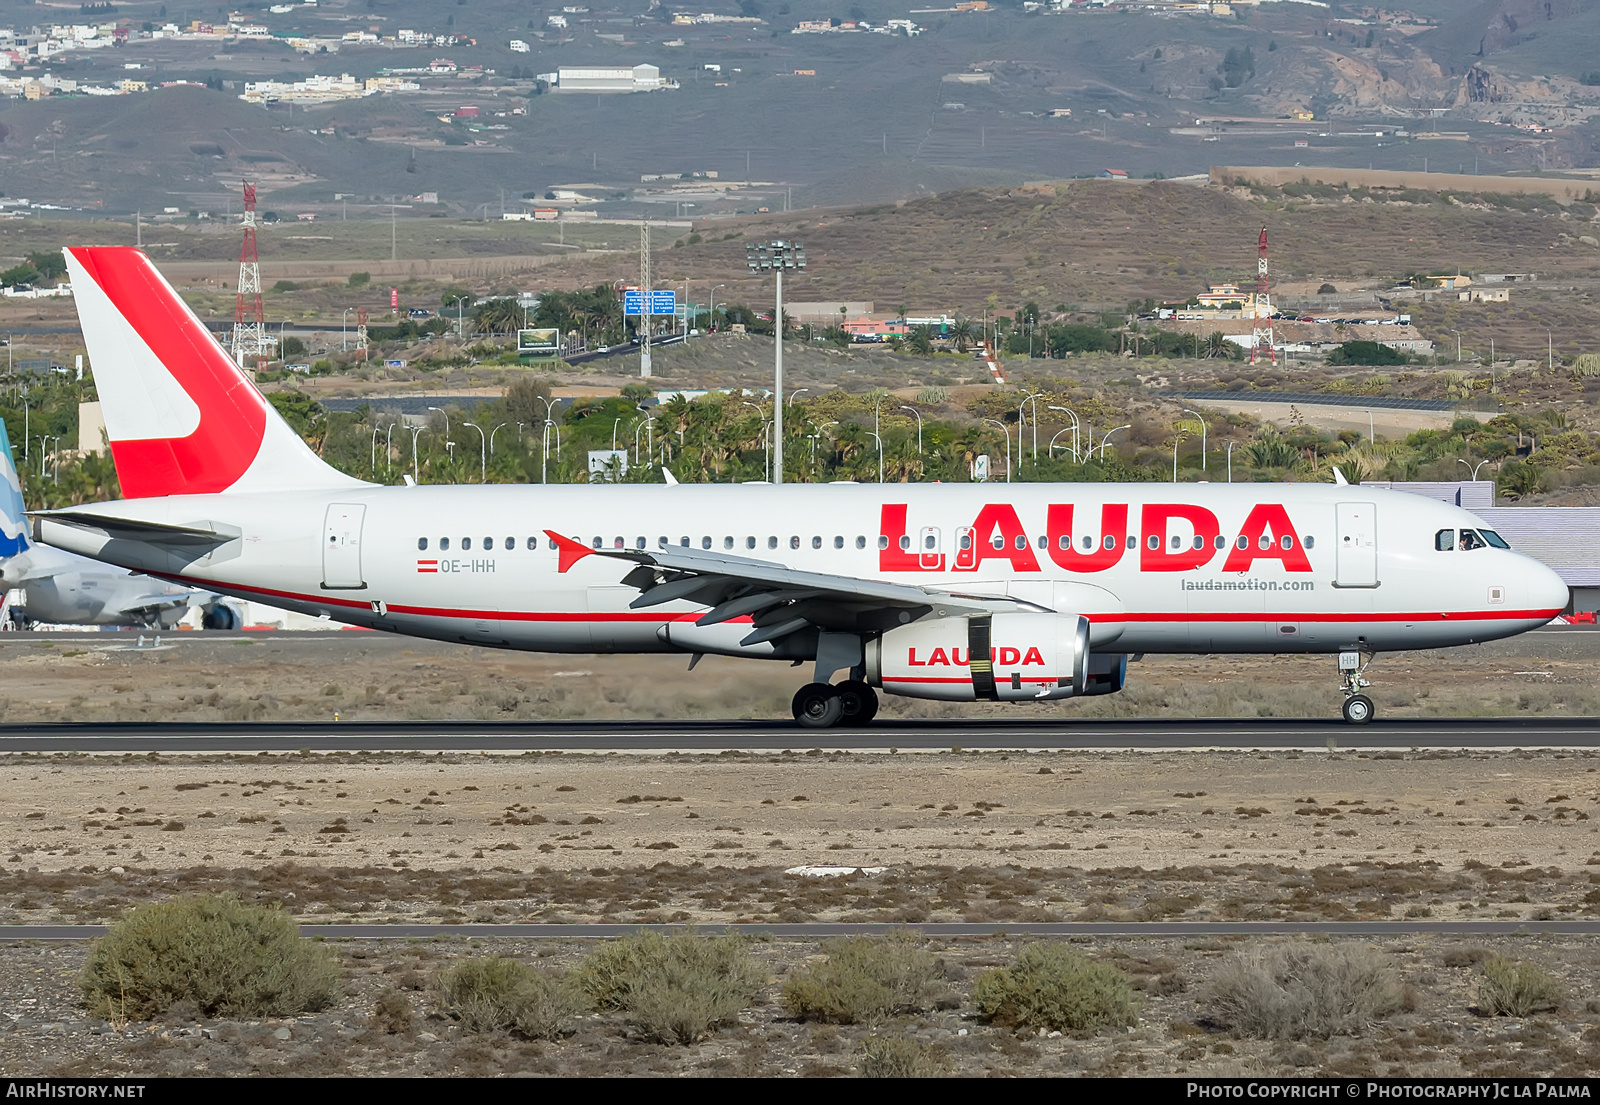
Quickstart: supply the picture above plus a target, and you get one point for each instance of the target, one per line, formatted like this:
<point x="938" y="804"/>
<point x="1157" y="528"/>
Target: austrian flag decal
<point x="427" y="565"/>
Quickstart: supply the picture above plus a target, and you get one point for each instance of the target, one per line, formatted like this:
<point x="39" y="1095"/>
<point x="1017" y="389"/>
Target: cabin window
<point x="838" y="542"/>
<point x="1110" y="542"/>
<point x="599" y="543"/>
<point x="444" y="544"/>
<point x="1264" y="541"/>
<point x="965" y="542"/>
<point x="930" y="542"/>
<point x="466" y="544"/>
<point x="639" y="542"/>
<point x="1243" y="542"/>
<point x="662" y="542"/>
<point x="1177" y="542"/>
<point x="727" y="542"/>
<point x="794" y="541"/>
<point x="816" y="542"/>
<point x="905" y="542"/>
<point x="488" y="544"/>
<point x="705" y="542"/>
<point x="861" y="542"/>
<point x="772" y="542"/>
<point x="1044" y="542"/>
<point x="1022" y="542"/>
<point x="749" y="542"/>
<point x="533" y="544"/>
<point x="1308" y="542"/>
<point x="1133" y="542"/>
<point x="1088" y="542"/>
<point x="511" y="543"/>
<point x="998" y="541"/>
<point x="422" y="544"/>
<point x="619" y="543"/>
<point x="1154" y="543"/>
<point x="1444" y="540"/>
<point x="1199" y="542"/>
<point x="553" y="544"/>
<point x="883" y="541"/>
<point x="1470" y="540"/>
<point x="1219" y="542"/>
<point x="1065" y="542"/>
<point x="1495" y="539"/>
<point x="1286" y="542"/>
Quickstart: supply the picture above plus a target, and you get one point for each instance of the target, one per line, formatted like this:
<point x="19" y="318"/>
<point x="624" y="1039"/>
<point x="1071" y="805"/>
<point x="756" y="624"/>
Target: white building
<point x="641" y="78"/>
<point x="518" y="46"/>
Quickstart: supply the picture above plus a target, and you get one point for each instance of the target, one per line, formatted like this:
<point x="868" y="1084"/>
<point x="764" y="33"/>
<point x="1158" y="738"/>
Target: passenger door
<point x="1357" y="550"/>
<point x="341" y="547"/>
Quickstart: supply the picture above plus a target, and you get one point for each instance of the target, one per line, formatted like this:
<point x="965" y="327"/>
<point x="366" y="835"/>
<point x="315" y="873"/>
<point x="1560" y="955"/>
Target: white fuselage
<point x="1343" y="567"/>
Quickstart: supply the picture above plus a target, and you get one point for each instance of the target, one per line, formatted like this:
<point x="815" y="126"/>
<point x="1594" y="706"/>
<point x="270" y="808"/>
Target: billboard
<point x="607" y="465"/>
<point x="539" y="344"/>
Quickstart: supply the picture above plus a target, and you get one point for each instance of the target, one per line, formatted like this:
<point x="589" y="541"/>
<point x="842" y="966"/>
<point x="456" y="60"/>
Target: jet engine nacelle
<point x="1022" y="657"/>
<point x="1108" y="673"/>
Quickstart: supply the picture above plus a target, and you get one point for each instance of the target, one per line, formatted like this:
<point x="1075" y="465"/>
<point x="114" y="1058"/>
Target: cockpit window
<point x="1444" y="540"/>
<point x="1495" y="539"/>
<point x="1470" y="540"/>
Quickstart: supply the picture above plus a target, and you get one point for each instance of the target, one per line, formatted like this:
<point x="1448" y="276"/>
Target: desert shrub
<point x="1295" y="991"/>
<point x="898" y="1057"/>
<point x="1051" y="986"/>
<point x="675" y="989"/>
<point x="504" y="995"/>
<point x="392" y="1011"/>
<point x="1515" y="988"/>
<point x="229" y="958"/>
<point x="1586" y="364"/>
<point x="865" y="979"/>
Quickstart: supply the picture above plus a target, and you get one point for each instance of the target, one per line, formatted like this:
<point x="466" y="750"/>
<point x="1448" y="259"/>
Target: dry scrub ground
<point x="707" y="838"/>
<point x="372" y="676"/>
<point x="1439" y="1031"/>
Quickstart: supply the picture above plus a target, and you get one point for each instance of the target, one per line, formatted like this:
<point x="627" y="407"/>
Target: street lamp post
<point x="388" y="450"/>
<point x="876" y="429"/>
<point x="1230" y="461"/>
<point x="375" y="431"/>
<point x="797" y="392"/>
<point x="1473" y="468"/>
<point x="1202" y="422"/>
<point x="711" y="311"/>
<point x="496" y="430"/>
<point x="918" y="413"/>
<point x="776" y="256"/>
<point x="446" y="414"/>
<point x="1034" y="399"/>
<point x="1107" y="438"/>
<point x="344" y="331"/>
<point x="1176" y="438"/>
<point x="1004" y="430"/>
<point x="416" y="470"/>
<point x="483" y="451"/>
<point x="1075" y="428"/>
<point x="1457" y="333"/>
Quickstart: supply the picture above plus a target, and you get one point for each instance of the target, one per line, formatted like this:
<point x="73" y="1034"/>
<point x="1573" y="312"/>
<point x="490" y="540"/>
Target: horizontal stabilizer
<point x="129" y="529"/>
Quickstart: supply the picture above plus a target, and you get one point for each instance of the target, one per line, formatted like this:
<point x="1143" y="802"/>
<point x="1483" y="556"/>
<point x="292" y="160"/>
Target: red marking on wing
<point x="568" y="551"/>
<point x="233" y="414"/>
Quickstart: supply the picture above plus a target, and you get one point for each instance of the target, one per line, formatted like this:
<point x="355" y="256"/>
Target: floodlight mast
<point x="776" y="256"/>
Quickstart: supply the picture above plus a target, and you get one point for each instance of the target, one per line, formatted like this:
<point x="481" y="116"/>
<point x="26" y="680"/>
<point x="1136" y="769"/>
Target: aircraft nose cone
<point x="1546" y="590"/>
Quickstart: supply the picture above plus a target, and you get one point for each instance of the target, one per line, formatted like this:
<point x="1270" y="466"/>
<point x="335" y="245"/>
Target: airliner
<point x="962" y="593"/>
<point x="59" y="588"/>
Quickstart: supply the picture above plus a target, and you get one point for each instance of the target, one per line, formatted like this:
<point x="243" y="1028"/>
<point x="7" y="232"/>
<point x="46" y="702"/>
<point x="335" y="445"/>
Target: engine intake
<point x="1020" y="657"/>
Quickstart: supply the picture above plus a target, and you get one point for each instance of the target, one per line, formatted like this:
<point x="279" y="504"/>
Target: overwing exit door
<point x="1357" y="538"/>
<point x="341" y="547"/>
<point x="930" y="558"/>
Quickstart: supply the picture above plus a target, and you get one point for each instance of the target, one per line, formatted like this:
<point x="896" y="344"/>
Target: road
<point x="821" y="929"/>
<point x="772" y="736"/>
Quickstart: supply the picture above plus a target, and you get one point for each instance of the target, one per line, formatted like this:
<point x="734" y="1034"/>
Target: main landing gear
<point x="1358" y="708"/>
<point x="821" y="706"/>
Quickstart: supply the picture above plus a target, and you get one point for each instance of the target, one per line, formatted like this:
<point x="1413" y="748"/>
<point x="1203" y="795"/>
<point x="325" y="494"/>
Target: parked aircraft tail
<point x="13" y="526"/>
<point x="181" y="416"/>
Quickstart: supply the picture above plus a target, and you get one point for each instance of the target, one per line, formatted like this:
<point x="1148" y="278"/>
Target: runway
<point x="823" y="929"/>
<point x="132" y="738"/>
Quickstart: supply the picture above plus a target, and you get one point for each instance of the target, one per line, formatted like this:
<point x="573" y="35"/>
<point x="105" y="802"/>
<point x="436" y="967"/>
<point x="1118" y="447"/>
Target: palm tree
<point x="1216" y="345"/>
<point x="921" y="342"/>
<point x="961" y="331"/>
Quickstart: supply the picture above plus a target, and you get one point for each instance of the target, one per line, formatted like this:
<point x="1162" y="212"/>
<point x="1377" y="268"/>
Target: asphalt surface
<point x="773" y="736"/>
<point x="818" y="930"/>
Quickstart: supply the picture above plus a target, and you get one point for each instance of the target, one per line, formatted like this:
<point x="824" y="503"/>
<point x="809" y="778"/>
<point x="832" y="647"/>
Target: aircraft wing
<point x="778" y="600"/>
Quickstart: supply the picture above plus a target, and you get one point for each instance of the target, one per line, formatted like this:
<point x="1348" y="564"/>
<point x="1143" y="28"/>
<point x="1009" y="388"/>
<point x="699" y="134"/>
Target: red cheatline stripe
<point x="1103" y="619"/>
<point x="927" y="679"/>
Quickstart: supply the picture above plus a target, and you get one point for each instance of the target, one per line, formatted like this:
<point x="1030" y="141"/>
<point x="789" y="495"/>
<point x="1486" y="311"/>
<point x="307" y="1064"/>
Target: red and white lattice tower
<point x="1261" y="310"/>
<point x="361" y="333"/>
<point x="250" y="341"/>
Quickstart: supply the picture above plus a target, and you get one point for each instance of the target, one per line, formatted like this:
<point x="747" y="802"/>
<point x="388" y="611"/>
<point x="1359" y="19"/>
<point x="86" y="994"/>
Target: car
<point x="418" y="312"/>
<point x="603" y="349"/>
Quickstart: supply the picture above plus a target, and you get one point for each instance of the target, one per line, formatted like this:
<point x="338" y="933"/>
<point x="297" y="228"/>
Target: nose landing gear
<point x="1358" y="708"/>
<point x="820" y="706"/>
